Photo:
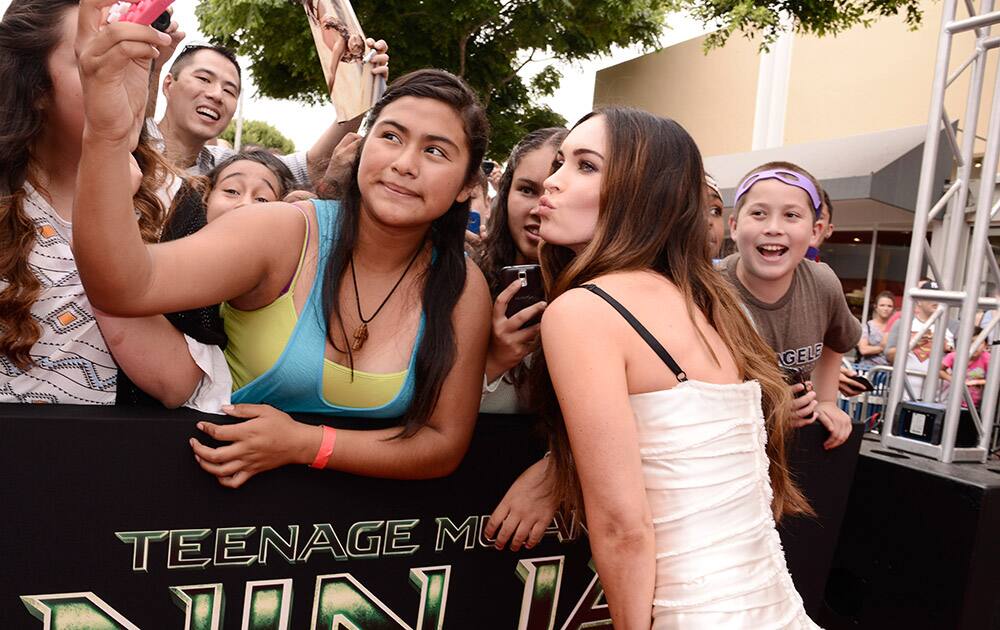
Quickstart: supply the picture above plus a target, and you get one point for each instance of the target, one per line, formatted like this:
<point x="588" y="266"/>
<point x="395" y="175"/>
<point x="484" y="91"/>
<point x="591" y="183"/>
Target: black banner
<point x="108" y="522"/>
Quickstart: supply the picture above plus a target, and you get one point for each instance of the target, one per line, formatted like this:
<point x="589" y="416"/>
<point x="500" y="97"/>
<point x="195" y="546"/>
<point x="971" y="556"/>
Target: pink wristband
<point x="325" y="448"/>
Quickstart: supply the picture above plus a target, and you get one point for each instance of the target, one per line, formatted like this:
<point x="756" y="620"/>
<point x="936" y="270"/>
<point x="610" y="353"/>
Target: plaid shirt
<point x="210" y="155"/>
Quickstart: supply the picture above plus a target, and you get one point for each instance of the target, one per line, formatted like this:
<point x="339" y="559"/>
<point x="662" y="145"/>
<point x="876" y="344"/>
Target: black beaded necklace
<point x="361" y="332"/>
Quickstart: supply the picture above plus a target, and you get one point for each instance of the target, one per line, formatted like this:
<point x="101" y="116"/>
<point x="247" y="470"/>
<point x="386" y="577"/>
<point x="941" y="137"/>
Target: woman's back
<point x="704" y="466"/>
<point x="663" y="310"/>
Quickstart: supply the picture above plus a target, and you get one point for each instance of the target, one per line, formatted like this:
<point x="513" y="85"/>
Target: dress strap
<point x="639" y="328"/>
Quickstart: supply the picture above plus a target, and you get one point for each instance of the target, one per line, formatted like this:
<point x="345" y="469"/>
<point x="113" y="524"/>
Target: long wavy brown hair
<point x="29" y="31"/>
<point x="652" y="217"/>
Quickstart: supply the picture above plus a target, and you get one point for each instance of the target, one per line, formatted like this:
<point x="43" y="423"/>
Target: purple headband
<point x="784" y="176"/>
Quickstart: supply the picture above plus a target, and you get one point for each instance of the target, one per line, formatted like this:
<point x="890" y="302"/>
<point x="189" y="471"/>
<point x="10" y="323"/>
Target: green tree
<point x="259" y="133"/>
<point x="487" y="42"/>
<point x="766" y="19"/>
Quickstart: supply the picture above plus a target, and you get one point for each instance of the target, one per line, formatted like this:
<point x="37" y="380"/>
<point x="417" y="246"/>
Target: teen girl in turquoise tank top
<point x="381" y="287"/>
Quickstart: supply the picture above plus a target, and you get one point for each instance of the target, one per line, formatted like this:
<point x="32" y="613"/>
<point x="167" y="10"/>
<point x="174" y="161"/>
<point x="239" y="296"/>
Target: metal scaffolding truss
<point x="959" y="279"/>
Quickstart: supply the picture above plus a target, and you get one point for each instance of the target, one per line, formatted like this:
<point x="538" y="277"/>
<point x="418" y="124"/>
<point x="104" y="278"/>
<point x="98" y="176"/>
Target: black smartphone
<point x="795" y="376"/>
<point x="531" y="291"/>
<point x="864" y="382"/>
<point x="162" y="23"/>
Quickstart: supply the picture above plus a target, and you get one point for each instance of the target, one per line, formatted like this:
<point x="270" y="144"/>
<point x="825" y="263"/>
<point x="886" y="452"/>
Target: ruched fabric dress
<point x="719" y="561"/>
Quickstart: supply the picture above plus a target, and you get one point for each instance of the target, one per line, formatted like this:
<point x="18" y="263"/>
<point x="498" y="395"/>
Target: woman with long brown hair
<point x="679" y="465"/>
<point x="52" y="349"/>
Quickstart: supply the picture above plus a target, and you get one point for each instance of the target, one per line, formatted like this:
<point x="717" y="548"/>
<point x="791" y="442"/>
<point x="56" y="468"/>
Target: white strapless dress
<point x="719" y="562"/>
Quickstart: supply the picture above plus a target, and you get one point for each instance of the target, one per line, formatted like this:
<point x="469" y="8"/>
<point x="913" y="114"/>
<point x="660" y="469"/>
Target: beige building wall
<point x="868" y="80"/>
<point x="711" y="96"/>
<point x="862" y="81"/>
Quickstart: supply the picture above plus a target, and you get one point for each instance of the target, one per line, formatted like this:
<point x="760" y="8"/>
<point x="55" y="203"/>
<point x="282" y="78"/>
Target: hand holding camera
<point x="803" y="397"/>
<point x="517" y="314"/>
<point x="114" y="62"/>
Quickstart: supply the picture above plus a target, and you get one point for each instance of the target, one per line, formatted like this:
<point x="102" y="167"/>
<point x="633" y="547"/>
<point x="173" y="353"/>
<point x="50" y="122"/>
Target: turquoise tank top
<point x="295" y="382"/>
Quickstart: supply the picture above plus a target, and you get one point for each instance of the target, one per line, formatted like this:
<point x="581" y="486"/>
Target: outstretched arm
<point x="122" y="275"/>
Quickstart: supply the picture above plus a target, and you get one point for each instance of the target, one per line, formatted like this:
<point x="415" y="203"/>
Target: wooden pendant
<point x="360" y="337"/>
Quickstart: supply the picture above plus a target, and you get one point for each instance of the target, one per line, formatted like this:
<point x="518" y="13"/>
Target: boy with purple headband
<point x="798" y="305"/>
<point x="799" y="308"/>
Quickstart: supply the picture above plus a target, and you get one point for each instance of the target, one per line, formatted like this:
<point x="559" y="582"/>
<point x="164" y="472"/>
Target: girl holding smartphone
<point x="513" y="240"/>
<point x="668" y="414"/>
<point x="345" y="308"/>
<point x="527" y="508"/>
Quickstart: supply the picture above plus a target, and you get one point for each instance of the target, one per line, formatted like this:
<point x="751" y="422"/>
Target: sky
<point x="300" y="122"/>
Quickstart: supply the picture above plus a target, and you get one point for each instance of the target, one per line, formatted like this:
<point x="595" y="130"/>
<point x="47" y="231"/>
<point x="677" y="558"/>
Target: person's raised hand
<point x="338" y="169"/>
<point x="509" y="343"/>
<point x="474" y="242"/>
<point x="176" y="37"/>
<point x="836" y="422"/>
<point x="268" y="439"/>
<point x="380" y="60"/>
<point x="114" y="62"/>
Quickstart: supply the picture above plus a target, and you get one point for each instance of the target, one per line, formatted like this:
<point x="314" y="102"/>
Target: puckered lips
<point x="544" y="205"/>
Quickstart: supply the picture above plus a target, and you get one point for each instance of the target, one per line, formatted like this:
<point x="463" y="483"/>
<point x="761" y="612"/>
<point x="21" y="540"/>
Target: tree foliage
<point x="488" y="42"/>
<point x="259" y="133"/>
<point x="766" y="19"/>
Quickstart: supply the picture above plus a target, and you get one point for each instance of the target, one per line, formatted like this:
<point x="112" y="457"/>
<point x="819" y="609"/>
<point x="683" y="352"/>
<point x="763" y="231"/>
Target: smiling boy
<point x="797" y="305"/>
<point x="799" y="308"/>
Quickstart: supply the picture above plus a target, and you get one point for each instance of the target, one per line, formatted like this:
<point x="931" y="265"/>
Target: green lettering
<point x="229" y="541"/>
<point x="340" y="601"/>
<point x="361" y="532"/>
<point x="446" y="528"/>
<point x="592" y="609"/>
<point x="140" y="545"/>
<point x="286" y="548"/>
<point x="323" y="539"/>
<point x="396" y="534"/>
<point x="542" y="578"/>
<point x="268" y="605"/>
<point x="203" y="605"/>
<point x="68" y="611"/>
<point x="182" y="544"/>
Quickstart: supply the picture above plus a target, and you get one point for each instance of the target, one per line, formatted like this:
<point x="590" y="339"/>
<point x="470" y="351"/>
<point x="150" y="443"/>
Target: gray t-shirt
<point x="812" y="314"/>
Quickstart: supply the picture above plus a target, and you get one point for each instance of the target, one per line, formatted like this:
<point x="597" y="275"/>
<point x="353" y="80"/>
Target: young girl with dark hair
<point x="244" y="178"/>
<point x="512" y="239"/>
<point x="52" y="349"/>
<point x="668" y="413"/>
<point x="351" y="308"/>
<point x="527" y="508"/>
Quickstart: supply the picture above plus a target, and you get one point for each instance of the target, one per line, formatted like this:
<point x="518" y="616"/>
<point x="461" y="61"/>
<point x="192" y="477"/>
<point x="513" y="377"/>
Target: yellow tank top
<point x="257" y="339"/>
